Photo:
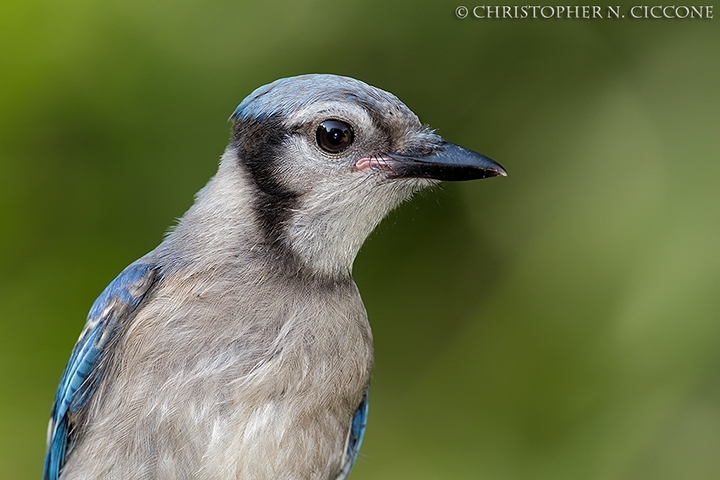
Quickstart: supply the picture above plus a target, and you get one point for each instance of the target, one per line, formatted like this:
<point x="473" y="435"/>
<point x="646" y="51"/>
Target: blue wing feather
<point x="355" y="437"/>
<point x="114" y="305"/>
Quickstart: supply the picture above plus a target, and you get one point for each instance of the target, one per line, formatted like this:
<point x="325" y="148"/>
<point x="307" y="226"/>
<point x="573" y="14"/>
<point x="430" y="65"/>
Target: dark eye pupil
<point x="334" y="136"/>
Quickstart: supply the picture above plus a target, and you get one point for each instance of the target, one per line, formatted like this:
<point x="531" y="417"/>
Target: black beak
<point x="450" y="162"/>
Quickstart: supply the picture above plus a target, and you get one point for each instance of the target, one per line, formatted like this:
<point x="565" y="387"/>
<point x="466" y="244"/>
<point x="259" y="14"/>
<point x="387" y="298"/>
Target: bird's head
<point x="328" y="157"/>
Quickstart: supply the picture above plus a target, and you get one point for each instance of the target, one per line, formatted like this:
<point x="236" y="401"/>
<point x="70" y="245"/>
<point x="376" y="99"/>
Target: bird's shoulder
<point x="115" y="305"/>
<point x="355" y="437"/>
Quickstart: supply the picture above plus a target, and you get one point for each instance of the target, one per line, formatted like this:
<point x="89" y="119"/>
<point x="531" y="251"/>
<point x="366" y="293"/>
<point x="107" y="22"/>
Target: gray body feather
<point x="232" y="368"/>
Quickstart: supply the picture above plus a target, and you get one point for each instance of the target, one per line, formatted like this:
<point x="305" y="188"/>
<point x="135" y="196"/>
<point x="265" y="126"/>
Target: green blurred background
<point x="561" y="323"/>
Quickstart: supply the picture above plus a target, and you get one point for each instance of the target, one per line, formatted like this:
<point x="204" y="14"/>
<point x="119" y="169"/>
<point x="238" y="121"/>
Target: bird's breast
<point x="294" y="399"/>
<point x="254" y="375"/>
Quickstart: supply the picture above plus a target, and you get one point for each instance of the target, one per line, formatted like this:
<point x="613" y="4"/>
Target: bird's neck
<point x="324" y="236"/>
<point x="226" y="226"/>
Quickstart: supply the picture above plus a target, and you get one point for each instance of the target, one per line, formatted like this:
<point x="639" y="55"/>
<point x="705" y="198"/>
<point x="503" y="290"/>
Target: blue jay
<point x="240" y="348"/>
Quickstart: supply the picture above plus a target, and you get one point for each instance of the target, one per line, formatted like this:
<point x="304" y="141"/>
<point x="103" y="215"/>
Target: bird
<point x="240" y="348"/>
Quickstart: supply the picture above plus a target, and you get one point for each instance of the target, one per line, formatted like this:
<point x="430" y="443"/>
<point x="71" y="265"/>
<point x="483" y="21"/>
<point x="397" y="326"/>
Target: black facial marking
<point x="259" y="145"/>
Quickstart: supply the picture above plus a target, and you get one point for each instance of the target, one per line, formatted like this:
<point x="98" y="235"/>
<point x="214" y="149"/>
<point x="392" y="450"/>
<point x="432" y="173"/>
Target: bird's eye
<point x="334" y="136"/>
